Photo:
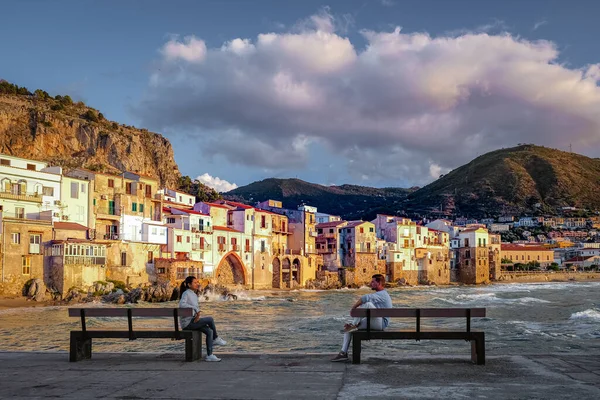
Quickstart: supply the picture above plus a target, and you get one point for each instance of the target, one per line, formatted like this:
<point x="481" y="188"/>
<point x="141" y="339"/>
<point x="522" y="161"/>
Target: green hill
<point x="348" y="201"/>
<point x="523" y="179"/>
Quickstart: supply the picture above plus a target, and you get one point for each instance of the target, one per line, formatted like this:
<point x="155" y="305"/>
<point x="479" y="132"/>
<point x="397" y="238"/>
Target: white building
<point x="29" y="189"/>
<point x="75" y="202"/>
<point x="175" y="196"/>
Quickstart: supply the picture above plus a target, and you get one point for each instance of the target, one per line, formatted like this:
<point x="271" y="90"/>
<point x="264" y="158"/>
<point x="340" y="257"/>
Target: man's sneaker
<point x="212" y="357"/>
<point x="340" y="357"/>
<point x="349" y="328"/>
<point x="219" y="342"/>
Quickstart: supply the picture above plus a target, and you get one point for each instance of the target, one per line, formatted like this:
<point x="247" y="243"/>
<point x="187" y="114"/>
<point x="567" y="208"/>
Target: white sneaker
<point x="219" y="342"/>
<point x="212" y="357"/>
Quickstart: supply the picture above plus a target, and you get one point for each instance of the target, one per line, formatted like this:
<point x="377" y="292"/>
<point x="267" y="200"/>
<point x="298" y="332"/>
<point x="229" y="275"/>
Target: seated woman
<point x="189" y="299"/>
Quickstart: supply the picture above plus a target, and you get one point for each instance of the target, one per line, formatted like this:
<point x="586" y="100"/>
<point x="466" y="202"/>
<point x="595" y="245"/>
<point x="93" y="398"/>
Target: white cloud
<point x="396" y="108"/>
<point x="220" y="185"/>
<point x="539" y="24"/>
<point x="190" y="49"/>
<point x="388" y="3"/>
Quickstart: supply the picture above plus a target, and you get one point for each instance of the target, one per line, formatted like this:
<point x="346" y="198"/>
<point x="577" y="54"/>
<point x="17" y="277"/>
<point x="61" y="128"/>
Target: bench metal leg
<point x="356" y="350"/>
<point x="80" y="347"/>
<point x="193" y="347"/>
<point x="478" y="349"/>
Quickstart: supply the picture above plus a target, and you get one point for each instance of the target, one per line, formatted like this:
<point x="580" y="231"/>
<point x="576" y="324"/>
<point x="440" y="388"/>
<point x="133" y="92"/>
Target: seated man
<point x="379" y="299"/>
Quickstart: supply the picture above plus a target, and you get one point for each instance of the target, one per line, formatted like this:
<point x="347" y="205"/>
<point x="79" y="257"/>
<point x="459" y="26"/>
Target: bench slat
<point x="135" y="312"/>
<point x="142" y="334"/>
<point x="436" y="335"/>
<point x="425" y="312"/>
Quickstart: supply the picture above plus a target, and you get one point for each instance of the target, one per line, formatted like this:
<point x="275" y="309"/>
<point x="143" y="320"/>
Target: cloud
<point x="539" y="24"/>
<point x="220" y="185"/>
<point x="388" y="3"/>
<point x="403" y="107"/>
<point x="190" y="49"/>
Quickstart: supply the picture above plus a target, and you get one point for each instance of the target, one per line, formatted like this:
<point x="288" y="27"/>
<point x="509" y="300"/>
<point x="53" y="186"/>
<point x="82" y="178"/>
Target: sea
<point x="522" y="318"/>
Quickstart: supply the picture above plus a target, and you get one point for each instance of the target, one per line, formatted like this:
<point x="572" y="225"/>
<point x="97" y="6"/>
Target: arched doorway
<point x="231" y="270"/>
<point x="296" y="272"/>
<point x="276" y="274"/>
<point x="285" y="272"/>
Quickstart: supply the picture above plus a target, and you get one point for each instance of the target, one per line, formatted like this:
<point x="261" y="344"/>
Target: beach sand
<point x="19" y="302"/>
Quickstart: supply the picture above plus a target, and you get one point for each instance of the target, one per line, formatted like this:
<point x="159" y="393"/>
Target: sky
<point x="384" y="93"/>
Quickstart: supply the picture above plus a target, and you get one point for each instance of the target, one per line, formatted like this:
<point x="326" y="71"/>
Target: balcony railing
<point x="35" y="216"/>
<point x="111" y="236"/>
<point x="85" y="260"/>
<point x="108" y="211"/>
<point x="235" y="247"/>
<point x="35" y="197"/>
<point x="202" y="229"/>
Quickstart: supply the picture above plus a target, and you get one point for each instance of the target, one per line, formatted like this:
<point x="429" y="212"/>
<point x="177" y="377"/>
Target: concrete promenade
<point x="298" y="376"/>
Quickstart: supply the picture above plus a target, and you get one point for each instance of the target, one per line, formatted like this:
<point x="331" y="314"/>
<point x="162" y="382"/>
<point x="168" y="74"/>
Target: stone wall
<point x="166" y="270"/>
<point x="396" y="272"/>
<point x="137" y="270"/>
<point x="548" y="276"/>
<point x="13" y="255"/>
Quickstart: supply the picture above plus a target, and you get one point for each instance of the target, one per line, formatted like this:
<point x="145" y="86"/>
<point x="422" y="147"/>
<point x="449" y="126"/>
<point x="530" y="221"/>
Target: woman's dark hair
<point x="185" y="285"/>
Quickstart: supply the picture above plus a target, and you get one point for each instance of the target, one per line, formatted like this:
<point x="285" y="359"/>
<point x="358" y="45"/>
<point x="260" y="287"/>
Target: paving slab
<point x="30" y="375"/>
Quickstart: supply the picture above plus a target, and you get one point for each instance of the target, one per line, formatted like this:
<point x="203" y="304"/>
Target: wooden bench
<point x="81" y="341"/>
<point x="477" y="339"/>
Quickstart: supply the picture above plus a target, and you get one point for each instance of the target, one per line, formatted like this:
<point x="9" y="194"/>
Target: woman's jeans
<point x="205" y="325"/>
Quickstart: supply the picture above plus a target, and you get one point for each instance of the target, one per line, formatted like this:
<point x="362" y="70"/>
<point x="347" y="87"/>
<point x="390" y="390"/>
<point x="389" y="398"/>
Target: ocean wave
<point x="589" y="314"/>
<point x="489" y="298"/>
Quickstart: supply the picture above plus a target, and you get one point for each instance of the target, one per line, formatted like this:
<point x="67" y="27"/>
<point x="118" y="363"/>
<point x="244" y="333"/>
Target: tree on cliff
<point x="200" y="190"/>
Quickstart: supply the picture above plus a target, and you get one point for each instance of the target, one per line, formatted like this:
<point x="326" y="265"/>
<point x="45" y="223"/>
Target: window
<point x="31" y="167"/>
<point x="283" y="226"/>
<point x="362" y="230"/>
<point x="83" y="188"/>
<point x="371" y="229"/>
<point x="74" y="190"/>
<point x="170" y="220"/>
<point x="160" y="270"/>
<point x="35" y="241"/>
<point x="111" y="183"/>
<point x="148" y="191"/>
<point x="4" y="161"/>
<point x="179" y="238"/>
<point x="247" y="245"/>
<point x="331" y="231"/>
<point x="133" y="206"/>
<point x="19" y="212"/>
<point x="187" y="239"/>
<point x="123" y="258"/>
<point x="94" y="201"/>
<point x="347" y="230"/>
<point x="141" y="208"/>
<point x="47" y="191"/>
<point x="263" y="221"/>
<point x="466" y="242"/>
<point x="201" y="243"/>
<point x="262" y="246"/>
<point x="221" y="243"/>
<point x="26" y="265"/>
<point x="16" y="238"/>
<point x="128" y="188"/>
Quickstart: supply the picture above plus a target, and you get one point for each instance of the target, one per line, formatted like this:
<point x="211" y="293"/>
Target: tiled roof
<point x="579" y="259"/>
<point x="353" y="224"/>
<point x="330" y="224"/>
<point x="71" y="226"/>
<point x="219" y="206"/>
<point x="236" y="204"/>
<point x="516" y="247"/>
<point x="189" y="211"/>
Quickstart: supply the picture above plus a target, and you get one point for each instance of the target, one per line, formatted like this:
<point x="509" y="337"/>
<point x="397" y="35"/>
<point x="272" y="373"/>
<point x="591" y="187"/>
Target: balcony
<point x="85" y="260"/>
<point x="202" y="229"/>
<point x="108" y="213"/>
<point x="277" y="229"/>
<point x="34" y="197"/>
<point x="313" y="233"/>
<point x="111" y="236"/>
<point x="235" y="247"/>
<point x="199" y="247"/>
<point x="157" y="197"/>
<point x="35" y="216"/>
